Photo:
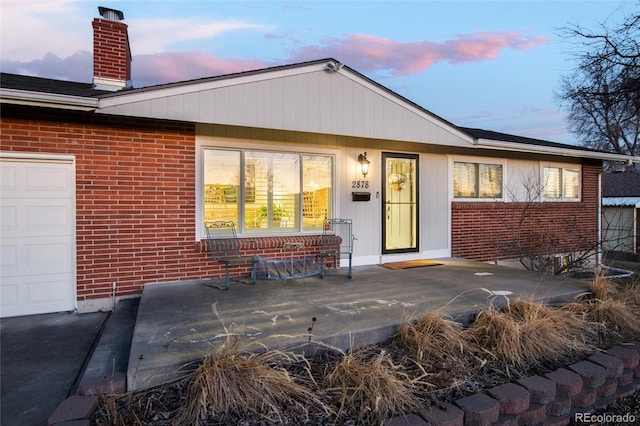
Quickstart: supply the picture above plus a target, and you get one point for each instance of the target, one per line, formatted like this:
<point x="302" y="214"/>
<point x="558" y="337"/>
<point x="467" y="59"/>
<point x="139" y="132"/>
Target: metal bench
<point x="225" y="247"/>
<point x="289" y="267"/>
<point x="330" y="249"/>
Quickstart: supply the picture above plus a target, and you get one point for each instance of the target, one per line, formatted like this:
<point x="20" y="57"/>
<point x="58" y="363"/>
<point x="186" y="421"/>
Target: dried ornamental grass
<point x="612" y="315"/>
<point x="601" y="287"/>
<point x="525" y="333"/>
<point x="497" y="333"/>
<point x="630" y="295"/>
<point x="230" y="382"/>
<point x="431" y="336"/>
<point x="614" y="309"/>
<point x="549" y="333"/>
<point x="371" y="385"/>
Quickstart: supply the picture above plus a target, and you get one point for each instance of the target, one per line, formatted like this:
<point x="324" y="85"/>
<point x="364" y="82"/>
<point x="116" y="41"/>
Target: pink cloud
<point x="370" y="53"/>
<point x="362" y="52"/>
<point x="178" y="66"/>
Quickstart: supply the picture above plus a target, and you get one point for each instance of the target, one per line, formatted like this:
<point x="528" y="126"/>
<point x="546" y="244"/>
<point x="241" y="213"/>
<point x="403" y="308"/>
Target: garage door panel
<point x="37" y="244"/>
<point x="8" y="182"/>
<point x="36" y="180"/>
<point x="33" y="256"/>
<point x="36" y="294"/>
<point x="48" y="218"/>
<point x="8" y="257"/>
<point x="9" y="293"/>
<point x="8" y="218"/>
<point x="46" y="178"/>
<point x="48" y="291"/>
<point x="30" y="219"/>
<point x="51" y="257"/>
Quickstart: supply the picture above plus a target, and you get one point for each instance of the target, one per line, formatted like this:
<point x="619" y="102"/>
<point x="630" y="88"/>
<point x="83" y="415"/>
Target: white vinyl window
<point x="477" y="180"/>
<point x="561" y="182"/>
<point x="267" y="192"/>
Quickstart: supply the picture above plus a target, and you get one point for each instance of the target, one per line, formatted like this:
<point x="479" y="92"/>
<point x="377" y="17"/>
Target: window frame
<point x="252" y="146"/>
<point x="478" y="161"/>
<point x="562" y="167"/>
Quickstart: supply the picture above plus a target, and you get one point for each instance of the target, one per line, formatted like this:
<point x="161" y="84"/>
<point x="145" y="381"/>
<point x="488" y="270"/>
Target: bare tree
<point x="602" y="95"/>
<point x="531" y="238"/>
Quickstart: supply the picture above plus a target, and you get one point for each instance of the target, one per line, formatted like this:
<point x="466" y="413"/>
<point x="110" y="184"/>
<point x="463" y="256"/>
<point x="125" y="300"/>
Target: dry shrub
<point x="431" y="336"/>
<point x="370" y="383"/>
<point x="601" y="287"/>
<point x="630" y="295"/>
<point x="231" y="382"/>
<point x="550" y="333"/>
<point x="610" y="314"/>
<point x="614" y="308"/>
<point x="497" y="333"/>
<point x="526" y="333"/>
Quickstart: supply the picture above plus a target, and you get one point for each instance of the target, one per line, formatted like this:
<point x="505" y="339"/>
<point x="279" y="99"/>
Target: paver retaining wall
<point x="564" y="396"/>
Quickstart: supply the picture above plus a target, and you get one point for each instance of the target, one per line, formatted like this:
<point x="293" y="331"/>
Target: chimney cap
<point x="111" y="14"/>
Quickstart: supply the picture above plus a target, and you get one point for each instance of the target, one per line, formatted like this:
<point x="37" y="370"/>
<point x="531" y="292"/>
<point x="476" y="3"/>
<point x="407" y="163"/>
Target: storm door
<point x="400" y="203"/>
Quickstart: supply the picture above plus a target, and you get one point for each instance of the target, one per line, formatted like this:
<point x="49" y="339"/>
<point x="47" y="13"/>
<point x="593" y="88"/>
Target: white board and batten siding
<point x="37" y="239"/>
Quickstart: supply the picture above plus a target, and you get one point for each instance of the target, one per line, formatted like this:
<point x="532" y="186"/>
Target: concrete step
<point x="106" y="371"/>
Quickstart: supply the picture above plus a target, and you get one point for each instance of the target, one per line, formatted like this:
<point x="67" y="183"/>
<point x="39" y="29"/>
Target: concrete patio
<point x="180" y="322"/>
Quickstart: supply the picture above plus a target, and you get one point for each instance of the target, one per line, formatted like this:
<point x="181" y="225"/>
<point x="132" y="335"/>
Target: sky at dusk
<point x="487" y="64"/>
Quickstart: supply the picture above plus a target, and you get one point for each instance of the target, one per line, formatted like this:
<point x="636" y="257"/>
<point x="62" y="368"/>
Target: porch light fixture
<point x="364" y="164"/>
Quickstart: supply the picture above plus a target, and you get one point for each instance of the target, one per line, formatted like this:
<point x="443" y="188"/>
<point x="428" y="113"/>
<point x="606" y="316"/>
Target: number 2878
<point x="359" y="184"/>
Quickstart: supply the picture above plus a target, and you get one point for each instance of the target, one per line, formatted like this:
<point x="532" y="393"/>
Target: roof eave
<point x="53" y="100"/>
<point x="621" y="201"/>
<point x="567" y="152"/>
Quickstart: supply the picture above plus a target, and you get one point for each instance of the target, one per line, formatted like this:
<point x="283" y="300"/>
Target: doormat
<point x="410" y="264"/>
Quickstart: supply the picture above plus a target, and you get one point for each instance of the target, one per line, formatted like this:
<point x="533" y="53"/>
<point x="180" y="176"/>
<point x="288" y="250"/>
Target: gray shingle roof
<point x="624" y="183"/>
<point x="497" y="136"/>
<point x="48" y="85"/>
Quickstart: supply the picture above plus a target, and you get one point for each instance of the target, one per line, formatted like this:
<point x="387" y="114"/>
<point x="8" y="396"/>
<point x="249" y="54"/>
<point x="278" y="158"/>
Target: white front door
<point x="37" y="235"/>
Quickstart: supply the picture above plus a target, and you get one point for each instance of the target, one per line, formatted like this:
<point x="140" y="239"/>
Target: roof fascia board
<point x="567" y="152"/>
<point x="26" y="97"/>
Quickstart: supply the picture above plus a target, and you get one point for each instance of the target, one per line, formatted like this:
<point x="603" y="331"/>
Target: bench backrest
<point x="342" y="228"/>
<point x="222" y="239"/>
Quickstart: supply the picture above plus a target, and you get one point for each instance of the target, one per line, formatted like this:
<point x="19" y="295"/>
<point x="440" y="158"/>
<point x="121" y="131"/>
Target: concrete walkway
<point x="180" y="322"/>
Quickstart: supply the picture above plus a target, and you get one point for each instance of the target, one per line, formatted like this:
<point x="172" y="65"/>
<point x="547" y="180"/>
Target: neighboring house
<point x="106" y="188"/>
<point x="620" y="211"/>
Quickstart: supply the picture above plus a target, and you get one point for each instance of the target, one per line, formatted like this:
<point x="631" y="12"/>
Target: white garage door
<point x="37" y="240"/>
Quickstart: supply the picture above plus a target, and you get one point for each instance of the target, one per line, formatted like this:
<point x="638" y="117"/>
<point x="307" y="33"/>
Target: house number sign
<point x="359" y="184"/>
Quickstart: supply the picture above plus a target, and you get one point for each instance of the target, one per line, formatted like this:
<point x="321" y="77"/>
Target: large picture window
<point x="561" y="183"/>
<point x="477" y="180"/>
<point x="268" y="192"/>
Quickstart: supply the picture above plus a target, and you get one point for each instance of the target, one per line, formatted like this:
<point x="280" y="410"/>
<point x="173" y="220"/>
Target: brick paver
<point x="75" y="407"/>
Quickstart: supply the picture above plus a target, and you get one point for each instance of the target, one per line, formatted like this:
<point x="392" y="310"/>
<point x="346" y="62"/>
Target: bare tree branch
<point x="602" y="94"/>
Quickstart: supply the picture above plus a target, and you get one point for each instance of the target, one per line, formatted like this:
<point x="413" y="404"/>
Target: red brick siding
<point x="111" y="50"/>
<point x="479" y="230"/>
<point x="135" y="190"/>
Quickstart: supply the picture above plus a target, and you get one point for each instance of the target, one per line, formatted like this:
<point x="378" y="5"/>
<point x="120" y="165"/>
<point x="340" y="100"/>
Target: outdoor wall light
<point x="364" y="164"/>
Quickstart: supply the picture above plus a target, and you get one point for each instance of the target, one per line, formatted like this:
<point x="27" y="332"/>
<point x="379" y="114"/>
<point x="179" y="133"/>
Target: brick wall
<point x="483" y="231"/>
<point x="135" y="212"/>
<point x="135" y="190"/>
<point x="111" y="54"/>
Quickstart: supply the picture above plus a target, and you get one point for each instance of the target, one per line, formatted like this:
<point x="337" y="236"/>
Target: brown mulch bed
<point x="441" y="380"/>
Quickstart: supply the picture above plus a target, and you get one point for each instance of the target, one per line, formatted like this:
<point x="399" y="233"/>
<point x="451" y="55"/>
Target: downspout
<point x="599" y="222"/>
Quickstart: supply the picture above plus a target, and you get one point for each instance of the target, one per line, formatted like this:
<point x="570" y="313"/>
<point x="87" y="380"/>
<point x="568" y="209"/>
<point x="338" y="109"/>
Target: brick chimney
<point x="111" y="51"/>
